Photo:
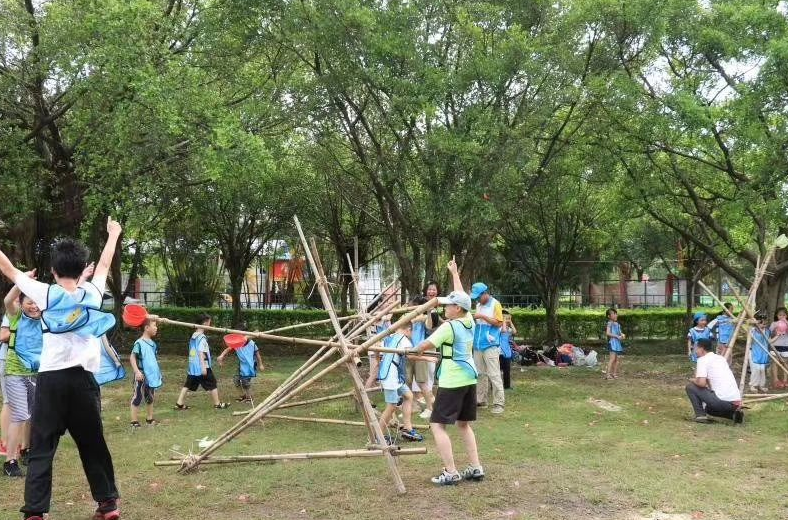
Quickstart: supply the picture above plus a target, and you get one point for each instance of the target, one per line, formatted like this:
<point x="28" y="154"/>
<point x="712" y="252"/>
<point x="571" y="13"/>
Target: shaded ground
<point x="554" y="454"/>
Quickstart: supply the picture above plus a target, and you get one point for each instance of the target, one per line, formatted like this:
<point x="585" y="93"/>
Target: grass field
<point x="552" y="455"/>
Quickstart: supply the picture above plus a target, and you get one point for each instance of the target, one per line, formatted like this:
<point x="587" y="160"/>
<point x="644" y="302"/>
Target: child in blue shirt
<point x="147" y="374"/>
<point x="507" y="333"/>
<point x="724" y="325"/>
<point x="699" y="330"/>
<point x="249" y="363"/>
<point x="615" y="347"/>
<point x="759" y="354"/>
<point x="199" y="371"/>
<point x="392" y="375"/>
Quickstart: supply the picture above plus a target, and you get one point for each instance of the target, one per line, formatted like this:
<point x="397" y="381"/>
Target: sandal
<point x="221" y="406"/>
<point x="181" y="406"/>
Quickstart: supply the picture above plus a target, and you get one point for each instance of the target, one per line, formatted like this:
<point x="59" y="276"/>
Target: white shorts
<point x="783" y="354"/>
<point x="21" y="396"/>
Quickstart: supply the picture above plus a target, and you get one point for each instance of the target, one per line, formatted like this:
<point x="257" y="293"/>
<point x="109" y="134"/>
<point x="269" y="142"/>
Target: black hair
<point x="610" y="311"/>
<point x="203" y="319"/>
<point x="705" y="343"/>
<point x="761" y="316"/>
<point x="783" y="309"/>
<point x="427" y="285"/>
<point x="728" y="305"/>
<point x="506" y="312"/>
<point x="69" y="258"/>
<point x="419" y="300"/>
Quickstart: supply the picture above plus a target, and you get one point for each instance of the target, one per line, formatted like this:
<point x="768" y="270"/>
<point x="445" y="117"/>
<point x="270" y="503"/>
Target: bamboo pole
<point x="740" y="319"/>
<point x="758" y="396"/>
<point x="766" y="398"/>
<point x="369" y="415"/>
<point x="315" y="400"/>
<point x="329" y="421"/>
<point x="745" y="363"/>
<point x="337" y="454"/>
<point x="759" y="274"/>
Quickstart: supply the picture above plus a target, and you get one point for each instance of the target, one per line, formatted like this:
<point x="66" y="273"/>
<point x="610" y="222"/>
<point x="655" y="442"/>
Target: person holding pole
<point x="713" y="391"/>
<point x="455" y="402"/>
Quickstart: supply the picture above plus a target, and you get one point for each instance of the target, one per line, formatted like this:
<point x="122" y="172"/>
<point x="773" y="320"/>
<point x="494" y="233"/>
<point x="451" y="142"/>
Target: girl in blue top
<point x="700" y="330"/>
<point x="614" y="337"/>
<point x="724" y="325"/>
<point x="507" y="337"/>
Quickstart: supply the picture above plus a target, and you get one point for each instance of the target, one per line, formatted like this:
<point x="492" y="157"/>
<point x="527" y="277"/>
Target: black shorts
<point x="142" y="392"/>
<point x="208" y="382"/>
<point x="454" y="404"/>
<point x="243" y="382"/>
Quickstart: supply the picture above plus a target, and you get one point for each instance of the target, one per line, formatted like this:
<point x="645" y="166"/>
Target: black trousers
<point x="67" y="400"/>
<point x="714" y="405"/>
<point x="506" y="371"/>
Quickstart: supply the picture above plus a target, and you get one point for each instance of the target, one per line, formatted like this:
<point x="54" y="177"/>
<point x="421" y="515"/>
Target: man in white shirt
<point x="68" y="396"/>
<point x="713" y="390"/>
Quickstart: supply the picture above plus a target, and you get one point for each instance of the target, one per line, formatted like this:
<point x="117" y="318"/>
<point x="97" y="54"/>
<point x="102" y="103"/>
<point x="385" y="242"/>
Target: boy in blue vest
<point x="147" y="374"/>
<point x="724" y="325"/>
<point x="487" y="347"/>
<point x="392" y="376"/>
<point x="199" y="371"/>
<point x="249" y="363"/>
<point x="67" y="395"/>
<point x="456" y="374"/>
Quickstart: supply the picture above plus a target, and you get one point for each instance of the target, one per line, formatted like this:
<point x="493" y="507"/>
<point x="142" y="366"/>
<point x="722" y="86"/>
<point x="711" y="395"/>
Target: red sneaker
<point x="107" y="510"/>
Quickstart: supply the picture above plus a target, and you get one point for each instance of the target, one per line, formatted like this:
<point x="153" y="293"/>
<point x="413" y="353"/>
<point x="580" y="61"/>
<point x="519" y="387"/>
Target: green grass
<point x="552" y="455"/>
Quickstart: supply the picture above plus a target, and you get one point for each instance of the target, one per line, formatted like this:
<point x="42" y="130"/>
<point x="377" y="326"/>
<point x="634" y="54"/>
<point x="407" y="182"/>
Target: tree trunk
<point x="134" y="272"/>
<point x="236" y="284"/>
<point x="771" y="294"/>
<point x="551" y="310"/>
<point x="625" y="273"/>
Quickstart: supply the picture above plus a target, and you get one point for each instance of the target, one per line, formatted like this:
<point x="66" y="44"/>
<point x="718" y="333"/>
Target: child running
<point x="67" y="395"/>
<point x="507" y="333"/>
<point x="392" y="376"/>
<point x="199" y="371"/>
<point x="699" y="330"/>
<point x="780" y="342"/>
<point x="615" y="347"/>
<point x="249" y="363"/>
<point x="759" y="354"/>
<point x="147" y="374"/>
<point x="724" y="325"/>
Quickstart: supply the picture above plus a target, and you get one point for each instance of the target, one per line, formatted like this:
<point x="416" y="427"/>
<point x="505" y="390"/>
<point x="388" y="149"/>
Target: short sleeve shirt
<point x="452" y="375"/>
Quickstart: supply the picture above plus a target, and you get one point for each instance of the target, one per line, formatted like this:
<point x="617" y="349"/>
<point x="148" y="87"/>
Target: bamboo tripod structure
<point x="302" y="378"/>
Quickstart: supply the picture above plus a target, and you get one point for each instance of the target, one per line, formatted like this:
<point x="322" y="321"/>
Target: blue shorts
<point x="395" y="396"/>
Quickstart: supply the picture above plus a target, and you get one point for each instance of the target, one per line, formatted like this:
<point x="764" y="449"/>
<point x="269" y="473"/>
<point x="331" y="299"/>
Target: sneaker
<point x="151" y="422"/>
<point x="390" y="440"/>
<point x="473" y="473"/>
<point x="181" y="406"/>
<point x="221" y="406"/>
<point x="447" y="479"/>
<point x="497" y="410"/>
<point x="738" y="416"/>
<point x="411" y="435"/>
<point x="426" y="414"/>
<point x="107" y="510"/>
<point x="135" y="425"/>
<point x="24" y="456"/>
<point x="703" y="419"/>
<point x="11" y="469"/>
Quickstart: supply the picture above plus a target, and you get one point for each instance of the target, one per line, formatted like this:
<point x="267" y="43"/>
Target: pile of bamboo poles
<point x="341" y="345"/>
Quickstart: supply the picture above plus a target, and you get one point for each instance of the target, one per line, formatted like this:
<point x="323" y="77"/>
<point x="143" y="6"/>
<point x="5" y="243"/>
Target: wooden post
<point x="745" y="363"/>
<point x="368" y="412"/>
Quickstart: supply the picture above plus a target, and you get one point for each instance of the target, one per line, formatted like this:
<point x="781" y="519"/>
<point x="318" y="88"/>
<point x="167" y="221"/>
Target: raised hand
<point x="452" y="266"/>
<point x="113" y="226"/>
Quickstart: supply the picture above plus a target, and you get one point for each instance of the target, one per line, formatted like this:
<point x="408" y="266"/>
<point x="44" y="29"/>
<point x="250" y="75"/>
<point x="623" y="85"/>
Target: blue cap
<point x="477" y="290"/>
<point x="700" y="316"/>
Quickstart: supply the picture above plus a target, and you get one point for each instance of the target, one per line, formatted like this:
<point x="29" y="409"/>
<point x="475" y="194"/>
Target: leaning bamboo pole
<point x="766" y="398"/>
<point x="315" y="400"/>
<point x="336" y="454"/>
<point x="329" y="421"/>
<point x="745" y="363"/>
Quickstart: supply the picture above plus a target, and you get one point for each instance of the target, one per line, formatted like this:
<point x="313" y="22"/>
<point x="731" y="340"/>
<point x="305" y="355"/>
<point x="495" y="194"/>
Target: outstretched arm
<point x="11" y="301"/>
<point x="455" y="275"/>
<point x="113" y="230"/>
<point x="7" y="268"/>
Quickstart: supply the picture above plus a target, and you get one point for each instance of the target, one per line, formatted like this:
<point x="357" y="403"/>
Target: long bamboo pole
<point x="766" y="398"/>
<point x="315" y="400"/>
<point x="745" y="363"/>
<point x="369" y="414"/>
<point x="329" y="421"/>
<point x="337" y="454"/>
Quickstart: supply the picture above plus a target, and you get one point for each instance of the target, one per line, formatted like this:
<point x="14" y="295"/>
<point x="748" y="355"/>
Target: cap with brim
<point x="458" y="298"/>
<point x="478" y="289"/>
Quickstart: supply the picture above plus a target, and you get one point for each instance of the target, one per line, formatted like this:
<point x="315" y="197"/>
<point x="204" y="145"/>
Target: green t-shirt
<point x="452" y="375"/>
<point x="13" y="365"/>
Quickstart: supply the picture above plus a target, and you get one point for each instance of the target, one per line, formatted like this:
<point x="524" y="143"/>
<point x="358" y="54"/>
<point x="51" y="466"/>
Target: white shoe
<point x="426" y="414"/>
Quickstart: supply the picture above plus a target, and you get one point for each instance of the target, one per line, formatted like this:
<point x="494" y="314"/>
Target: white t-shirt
<point x="716" y="370"/>
<point x="391" y="382"/>
<point x="65" y="350"/>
